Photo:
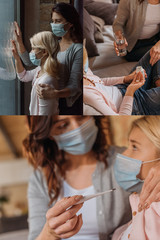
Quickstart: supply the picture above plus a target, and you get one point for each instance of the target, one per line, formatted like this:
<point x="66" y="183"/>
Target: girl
<point x="71" y="157"/>
<point x="65" y="24"/>
<point x="141" y="155"/>
<point x="44" y="55"/>
<point x="139" y="20"/>
<point x="123" y="95"/>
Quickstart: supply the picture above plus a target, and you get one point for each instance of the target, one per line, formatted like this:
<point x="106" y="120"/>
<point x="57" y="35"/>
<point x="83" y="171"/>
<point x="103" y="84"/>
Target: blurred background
<point x="32" y="16"/>
<point x="15" y="171"/>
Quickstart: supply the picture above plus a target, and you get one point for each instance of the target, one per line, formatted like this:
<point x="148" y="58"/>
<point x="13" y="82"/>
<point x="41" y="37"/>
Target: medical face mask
<point x="80" y="140"/>
<point x="86" y="66"/>
<point x="34" y="60"/>
<point x="58" y="29"/>
<point x="126" y="169"/>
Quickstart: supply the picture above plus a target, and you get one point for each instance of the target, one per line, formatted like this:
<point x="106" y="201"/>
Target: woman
<point x="66" y="26"/>
<point x="141" y="31"/>
<point x="141" y="155"/>
<point x="71" y="156"/>
<point x="45" y="48"/>
<point x="114" y="96"/>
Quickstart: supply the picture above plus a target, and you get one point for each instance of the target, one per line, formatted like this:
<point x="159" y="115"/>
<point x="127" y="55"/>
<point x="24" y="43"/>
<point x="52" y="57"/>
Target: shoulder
<point x="76" y="47"/>
<point x="37" y="183"/>
<point x="47" y="79"/>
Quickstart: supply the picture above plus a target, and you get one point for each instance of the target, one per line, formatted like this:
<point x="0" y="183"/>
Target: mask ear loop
<point x="154" y="160"/>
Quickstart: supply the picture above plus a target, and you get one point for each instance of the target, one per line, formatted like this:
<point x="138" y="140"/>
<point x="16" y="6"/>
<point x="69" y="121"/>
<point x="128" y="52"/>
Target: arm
<point x="76" y="72"/>
<point x="22" y="50"/>
<point x="110" y="81"/>
<point x="51" y="223"/>
<point x="122" y="17"/>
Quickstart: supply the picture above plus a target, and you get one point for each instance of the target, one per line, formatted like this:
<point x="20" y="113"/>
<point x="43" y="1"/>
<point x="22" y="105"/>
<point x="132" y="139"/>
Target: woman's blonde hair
<point x="150" y="125"/>
<point x="47" y="41"/>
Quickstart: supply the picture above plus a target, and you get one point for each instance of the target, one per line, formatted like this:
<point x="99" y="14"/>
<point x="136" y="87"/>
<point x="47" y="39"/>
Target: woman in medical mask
<point x="131" y="169"/>
<point x="71" y="157"/>
<point x="44" y="55"/>
<point x="65" y="24"/>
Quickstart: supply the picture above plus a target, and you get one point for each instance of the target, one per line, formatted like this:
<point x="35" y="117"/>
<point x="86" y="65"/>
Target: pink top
<point x="101" y="100"/>
<point x="145" y="225"/>
<point x="39" y="106"/>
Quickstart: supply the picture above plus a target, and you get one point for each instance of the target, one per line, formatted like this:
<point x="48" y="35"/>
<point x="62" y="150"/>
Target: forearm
<point x="66" y="92"/>
<point x="21" y="47"/>
<point x="19" y="66"/>
<point x="129" y="92"/>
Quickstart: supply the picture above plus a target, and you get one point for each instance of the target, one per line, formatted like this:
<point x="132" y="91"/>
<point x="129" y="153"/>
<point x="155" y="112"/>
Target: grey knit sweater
<point x="112" y="210"/>
<point x="130" y="20"/>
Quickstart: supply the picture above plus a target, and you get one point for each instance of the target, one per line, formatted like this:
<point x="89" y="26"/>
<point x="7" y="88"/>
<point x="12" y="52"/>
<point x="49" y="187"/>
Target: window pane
<point x="8" y="83"/>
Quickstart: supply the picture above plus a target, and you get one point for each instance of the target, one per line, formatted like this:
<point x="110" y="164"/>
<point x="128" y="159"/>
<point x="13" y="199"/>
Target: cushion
<point x="106" y="11"/>
<point x="104" y="1"/>
<point x="88" y="33"/>
<point x="99" y="23"/>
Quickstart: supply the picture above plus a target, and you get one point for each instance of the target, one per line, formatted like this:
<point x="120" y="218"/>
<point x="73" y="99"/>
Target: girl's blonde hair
<point x="150" y="125"/>
<point x="47" y="41"/>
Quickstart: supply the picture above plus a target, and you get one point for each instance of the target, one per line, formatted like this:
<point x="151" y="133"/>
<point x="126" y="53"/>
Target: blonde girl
<point x="45" y="48"/>
<point x="142" y="154"/>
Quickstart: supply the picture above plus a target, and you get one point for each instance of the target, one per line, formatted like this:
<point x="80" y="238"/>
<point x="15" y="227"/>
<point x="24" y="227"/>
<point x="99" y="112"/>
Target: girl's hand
<point x="130" y="77"/>
<point x="19" y="39"/>
<point x="62" y="221"/>
<point x="155" y="53"/>
<point x="14" y="51"/>
<point x="45" y="91"/>
<point x="151" y="188"/>
<point x="137" y="82"/>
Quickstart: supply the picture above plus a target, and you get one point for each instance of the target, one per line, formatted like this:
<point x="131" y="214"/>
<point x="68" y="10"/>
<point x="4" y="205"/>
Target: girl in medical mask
<point x="71" y="157"/>
<point x="65" y="24"/>
<point x="131" y="169"/>
<point x="44" y="55"/>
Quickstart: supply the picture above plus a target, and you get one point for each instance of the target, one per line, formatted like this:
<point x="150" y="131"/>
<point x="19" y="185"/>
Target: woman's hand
<point x="130" y="77"/>
<point x="15" y="51"/>
<point x="151" y="188"/>
<point x="137" y="82"/>
<point x="62" y="221"/>
<point x="155" y="53"/>
<point x="19" y="39"/>
<point x="45" y="91"/>
<point x="116" y="46"/>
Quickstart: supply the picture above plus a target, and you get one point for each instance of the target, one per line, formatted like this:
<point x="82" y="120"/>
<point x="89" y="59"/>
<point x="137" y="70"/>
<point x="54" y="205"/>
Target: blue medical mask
<point x="80" y="140"/>
<point x="126" y="169"/>
<point x="86" y="66"/>
<point x="34" y="60"/>
<point x="58" y="29"/>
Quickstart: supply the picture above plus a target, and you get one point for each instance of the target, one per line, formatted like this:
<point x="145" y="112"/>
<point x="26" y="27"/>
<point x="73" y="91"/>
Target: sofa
<point x="105" y="63"/>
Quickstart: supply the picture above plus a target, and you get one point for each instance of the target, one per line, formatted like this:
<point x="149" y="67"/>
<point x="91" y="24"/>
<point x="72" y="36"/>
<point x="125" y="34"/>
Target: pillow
<point x="88" y="34"/>
<point x="104" y="1"/>
<point x="106" y="11"/>
<point x="99" y="23"/>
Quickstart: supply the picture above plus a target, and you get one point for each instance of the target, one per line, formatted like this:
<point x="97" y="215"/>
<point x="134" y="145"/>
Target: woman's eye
<point x="62" y="126"/>
<point x="134" y="147"/>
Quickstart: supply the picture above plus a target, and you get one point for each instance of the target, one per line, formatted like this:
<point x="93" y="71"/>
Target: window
<point x="9" y="86"/>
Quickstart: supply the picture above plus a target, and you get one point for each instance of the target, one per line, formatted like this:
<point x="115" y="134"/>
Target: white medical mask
<point x="80" y="140"/>
<point x="126" y="170"/>
<point x="34" y="60"/>
<point x="58" y="29"/>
